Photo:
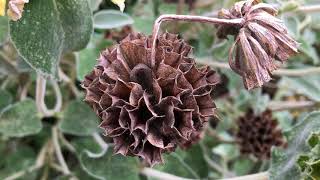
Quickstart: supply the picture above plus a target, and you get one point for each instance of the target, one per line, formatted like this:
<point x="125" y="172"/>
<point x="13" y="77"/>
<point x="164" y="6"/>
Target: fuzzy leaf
<point x="109" y="19"/>
<point x="5" y="99"/>
<point x="18" y="159"/>
<point x="187" y="164"/>
<point x="78" y="119"/>
<point x="115" y="167"/>
<point x="20" y="119"/>
<point x="94" y="4"/>
<point x="87" y="58"/>
<point x="50" y="28"/>
<point x="284" y="162"/>
<point x="3" y="29"/>
<point x="309" y="86"/>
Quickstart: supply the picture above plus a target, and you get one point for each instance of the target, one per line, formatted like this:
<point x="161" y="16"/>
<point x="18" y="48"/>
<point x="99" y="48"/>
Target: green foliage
<point x="48" y="36"/>
<point x="109" y="19"/>
<point x="185" y="163"/>
<point x="3" y="29"/>
<point x="309" y="164"/>
<point x="17" y="159"/>
<point x="5" y="99"/>
<point x="284" y="162"/>
<point x="110" y="166"/>
<point x="78" y="119"/>
<point x="87" y="58"/>
<point x="20" y="119"/>
<point x="50" y="28"/>
<point x="308" y="86"/>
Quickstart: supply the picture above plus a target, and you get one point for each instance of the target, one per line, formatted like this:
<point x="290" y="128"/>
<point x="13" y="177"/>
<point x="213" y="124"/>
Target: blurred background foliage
<point x="28" y="141"/>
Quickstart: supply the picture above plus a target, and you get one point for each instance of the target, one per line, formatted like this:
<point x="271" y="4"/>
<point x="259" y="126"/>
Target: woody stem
<point x="174" y="17"/>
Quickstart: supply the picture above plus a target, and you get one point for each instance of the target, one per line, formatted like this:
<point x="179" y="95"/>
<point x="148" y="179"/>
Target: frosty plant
<point x="150" y="95"/>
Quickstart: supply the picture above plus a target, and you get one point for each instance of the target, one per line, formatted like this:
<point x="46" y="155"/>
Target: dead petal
<point x="264" y="37"/>
<point x="134" y="54"/>
<point x="121" y="90"/>
<point x="136" y="94"/>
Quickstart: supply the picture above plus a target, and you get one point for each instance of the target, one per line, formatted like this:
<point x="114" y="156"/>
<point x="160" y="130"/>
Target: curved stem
<point x="40" y="96"/>
<point x="58" y="152"/>
<point x="310" y="8"/>
<point x="160" y="175"/>
<point x="173" y="17"/>
<point x="290" y="105"/>
<point x="259" y="176"/>
<point x="39" y="163"/>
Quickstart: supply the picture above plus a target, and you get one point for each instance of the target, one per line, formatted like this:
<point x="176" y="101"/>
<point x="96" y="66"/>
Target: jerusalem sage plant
<point x="151" y="97"/>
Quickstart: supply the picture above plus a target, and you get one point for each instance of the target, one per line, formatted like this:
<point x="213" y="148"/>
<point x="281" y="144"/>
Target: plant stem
<point x="303" y="9"/>
<point x="40" y="96"/>
<point x="279" y="72"/>
<point x="58" y="152"/>
<point x="309" y="8"/>
<point x="173" y="17"/>
<point x="290" y="105"/>
<point x="160" y="175"/>
<point x="259" y="176"/>
<point x="39" y="163"/>
<point x="66" y="143"/>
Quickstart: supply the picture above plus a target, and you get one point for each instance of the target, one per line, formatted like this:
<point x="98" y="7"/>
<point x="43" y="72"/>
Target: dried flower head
<point x="259" y="41"/>
<point x="258" y="133"/>
<point x="16" y="9"/>
<point x="149" y="110"/>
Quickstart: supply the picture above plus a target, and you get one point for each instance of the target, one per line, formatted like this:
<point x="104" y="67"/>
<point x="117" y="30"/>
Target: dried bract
<point x="16" y="9"/>
<point x="259" y="41"/>
<point x="258" y="133"/>
<point x="149" y="110"/>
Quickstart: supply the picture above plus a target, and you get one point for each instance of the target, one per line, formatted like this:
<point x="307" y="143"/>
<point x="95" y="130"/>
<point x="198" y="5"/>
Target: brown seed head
<point x="259" y="41"/>
<point x="257" y="134"/>
<point x="150" y="110"/>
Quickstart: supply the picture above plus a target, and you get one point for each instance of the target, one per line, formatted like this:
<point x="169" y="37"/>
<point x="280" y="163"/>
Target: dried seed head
<point x="257" y="134"/>
<point x="150" y="110"/>
<point x="260" y="41"/>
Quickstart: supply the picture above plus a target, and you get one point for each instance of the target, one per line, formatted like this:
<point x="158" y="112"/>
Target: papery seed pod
<point x="16" y="9"/>
<point x="149" y="110"/>
<point x="258" y="133"/>
<point x="259" y="41"/>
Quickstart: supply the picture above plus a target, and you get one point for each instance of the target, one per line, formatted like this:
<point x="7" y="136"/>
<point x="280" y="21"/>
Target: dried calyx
<point x="149" y="110"/>
<point x="258" y="133"/>
<point x="260" y="41"/>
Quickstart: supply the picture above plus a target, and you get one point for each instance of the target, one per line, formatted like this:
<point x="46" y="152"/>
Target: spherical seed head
<point x="150" y="110"/>
<point x="259" y="41"/>
<point x="258" y="133"/>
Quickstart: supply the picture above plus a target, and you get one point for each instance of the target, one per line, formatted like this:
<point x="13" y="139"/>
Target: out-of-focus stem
<point x="259" y="176"/>
<point x="160" y="175"/>
<point x="291" y="105"/>
<point x="309" y="8"/>
<point x="40" y="96"/>
<point x="39" y="163"/>
<point x="58" y="152"/>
